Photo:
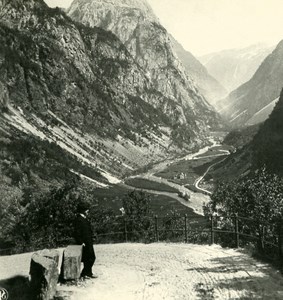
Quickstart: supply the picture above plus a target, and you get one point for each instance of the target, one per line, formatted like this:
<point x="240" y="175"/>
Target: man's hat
<point x="82" y="207"/>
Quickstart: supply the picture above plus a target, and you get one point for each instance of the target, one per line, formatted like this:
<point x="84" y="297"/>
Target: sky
<point x="205" y="26"/>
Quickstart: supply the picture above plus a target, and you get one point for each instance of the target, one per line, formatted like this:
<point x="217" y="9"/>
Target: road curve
<point x="198" y="181"/>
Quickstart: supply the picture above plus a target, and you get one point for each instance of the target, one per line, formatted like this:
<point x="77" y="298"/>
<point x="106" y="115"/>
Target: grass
<point x="201" y="169"/>
<point x="112" y="197"/>
<point x="150" y="185"/>
<point x="216" y="150"/>
<point x="211" y="152"/>
<point x="223" y="147"/>
<point x="192" y="169"/>
<point x="160" y="204"/>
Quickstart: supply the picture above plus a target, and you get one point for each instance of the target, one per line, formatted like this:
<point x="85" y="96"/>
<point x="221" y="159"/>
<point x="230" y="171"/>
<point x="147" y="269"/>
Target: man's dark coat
<point x="83" y="234"/>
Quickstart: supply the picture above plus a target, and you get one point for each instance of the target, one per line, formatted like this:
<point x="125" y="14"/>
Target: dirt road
<point x="179" y="271"/>
<point x="166" y="271"/>
<point x="198" y="181"/>
<point x="196" y="201"/>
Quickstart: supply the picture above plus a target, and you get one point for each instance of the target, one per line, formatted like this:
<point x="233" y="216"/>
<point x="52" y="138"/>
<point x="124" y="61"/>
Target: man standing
<point x="84" y="236"/>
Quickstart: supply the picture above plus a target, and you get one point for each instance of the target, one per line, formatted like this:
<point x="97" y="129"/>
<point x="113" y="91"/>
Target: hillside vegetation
<point x="258" y="192"/>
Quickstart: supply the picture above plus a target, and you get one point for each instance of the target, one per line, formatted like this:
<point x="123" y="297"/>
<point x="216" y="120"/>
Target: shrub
<point x="138" y="215"/>
<point x="257" y="200"/>
<point x="47" y="220"/>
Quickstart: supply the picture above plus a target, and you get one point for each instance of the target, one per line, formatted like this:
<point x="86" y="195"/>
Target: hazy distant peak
<point x="253" y="100"/>
<point x="233" y="67"/>
<point x="260" y="46"/>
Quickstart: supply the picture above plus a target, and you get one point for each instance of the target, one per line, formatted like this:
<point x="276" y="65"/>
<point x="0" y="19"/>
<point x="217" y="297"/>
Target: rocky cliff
<point x="207" y="85"/>
<point x="149" y="43"/>
<point x="78" y="89"/>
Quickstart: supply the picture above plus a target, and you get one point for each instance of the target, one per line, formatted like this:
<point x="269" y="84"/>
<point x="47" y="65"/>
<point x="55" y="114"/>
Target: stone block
<point x="44" y="277"/>
<point x="52" y="254"/>
<point x="71" y="266"/>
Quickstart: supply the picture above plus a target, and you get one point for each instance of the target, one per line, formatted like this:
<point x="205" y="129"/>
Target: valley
<point x="103" y="105"/>
<point x="169" y="181"/>
<point x="101" y="94"/>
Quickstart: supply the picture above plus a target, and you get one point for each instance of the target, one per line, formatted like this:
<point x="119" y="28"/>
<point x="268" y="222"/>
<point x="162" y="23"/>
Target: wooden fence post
<point x="186" y="228"/>
<point x="156" y="229"/>
<point x="125" y="230"/>
<point x="262" y="238"/>
<point x="237" y="236"/>
<point x="280" y="240"/>
<point x="212" y="231"/>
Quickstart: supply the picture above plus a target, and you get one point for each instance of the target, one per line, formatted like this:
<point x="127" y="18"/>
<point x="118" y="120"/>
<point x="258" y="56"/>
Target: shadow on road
<point x="249" y="279"/>
<point x="17" y="287"/>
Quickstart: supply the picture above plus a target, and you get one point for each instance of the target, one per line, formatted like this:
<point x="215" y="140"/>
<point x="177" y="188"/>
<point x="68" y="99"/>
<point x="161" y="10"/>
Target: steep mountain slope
<point x="77" y="89"/>
<point x="262" y="114"/>
<point x="256" y="147"/>
<point x="149" y="43"/>
<point x="234" y="67"/>
<point x="207" y="85"/>
<point x="268" y="143"/>
<point x="263" y="88"/>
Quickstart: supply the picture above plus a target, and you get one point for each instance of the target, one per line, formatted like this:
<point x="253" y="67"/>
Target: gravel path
<point x="168" y="271"/>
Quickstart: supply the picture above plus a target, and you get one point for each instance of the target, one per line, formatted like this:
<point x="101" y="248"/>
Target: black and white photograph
<point x="141" y="149"/>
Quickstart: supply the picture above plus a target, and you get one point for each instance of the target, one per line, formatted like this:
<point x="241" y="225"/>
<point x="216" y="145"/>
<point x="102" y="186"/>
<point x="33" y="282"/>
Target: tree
<point x="138" y="214"/>
<point x="258" y="197"/>
<point x="47" y="219"/>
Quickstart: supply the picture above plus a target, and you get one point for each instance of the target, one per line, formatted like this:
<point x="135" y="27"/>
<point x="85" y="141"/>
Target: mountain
<point x="135" y="24"/>
<point x="267" y="145"/>
<point x="255" y="99"/>
<point x="79" y="104"/>
<point x="234" y="67"/>
<point x="262" y="114"/>
<point x="207" y="85"/>
<point x="256" y="147"/>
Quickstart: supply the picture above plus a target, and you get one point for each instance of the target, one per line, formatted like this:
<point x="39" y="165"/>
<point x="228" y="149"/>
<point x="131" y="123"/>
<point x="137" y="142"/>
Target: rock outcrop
<point x="110" y="110"/>
<point x="207" y="85"/>
<point x="135" y="24"/>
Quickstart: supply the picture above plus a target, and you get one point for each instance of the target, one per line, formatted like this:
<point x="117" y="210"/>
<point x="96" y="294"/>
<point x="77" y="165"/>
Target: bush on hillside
<point x="257" y="200"/>
<point x="47" y="219"/>
<point x="138" y="216"/>
<point x="172" y="226"/>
